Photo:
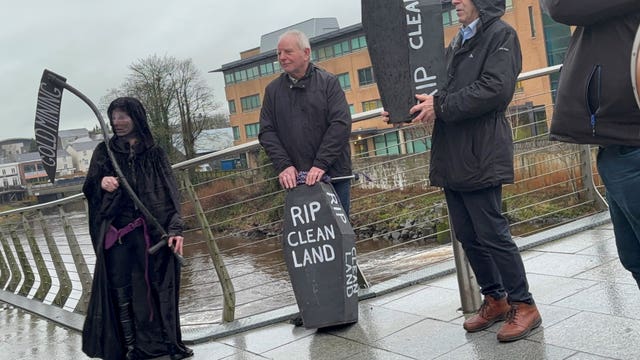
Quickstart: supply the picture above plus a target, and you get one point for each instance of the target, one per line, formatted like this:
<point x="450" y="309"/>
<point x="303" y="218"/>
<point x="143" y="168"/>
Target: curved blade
<point x="48" y="119"/>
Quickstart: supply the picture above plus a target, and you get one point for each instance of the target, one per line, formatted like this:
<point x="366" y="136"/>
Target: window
<point x="371" y="105"/>
<point x="509" y="4"/>
<point x="228" y="78"/>
<point x="252" y="130"/>
<point x="341" y="48"/>
<point x="345" y="81"/>
<point x="449" y="17"/>
<point x="519" y="87"/>
<point x="249" y="103"/>
<point x="361" y="147"/>
<point x="240" y="75"/>
<point x="232" y="106"/>
<point x="528" y="120"/>
<point x="365" y="76"/>
<point x="252" y="73"/>
<point x="236" y="133"/>
<point x="417" y="140"/>
<point x="532" y="22"/>
<point x="387" y="144"/>
<point x="358" y="43"/>
<point x="266" y="69"/>
<point x="352" y="110"/>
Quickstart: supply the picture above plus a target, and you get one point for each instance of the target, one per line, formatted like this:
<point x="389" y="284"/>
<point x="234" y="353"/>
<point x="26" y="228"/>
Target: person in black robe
<point x="133" y="309"/>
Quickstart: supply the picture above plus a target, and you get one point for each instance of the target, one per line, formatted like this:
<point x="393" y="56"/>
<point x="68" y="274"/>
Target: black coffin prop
<point x="320" y="252"/>
<point x="405" y="40"/>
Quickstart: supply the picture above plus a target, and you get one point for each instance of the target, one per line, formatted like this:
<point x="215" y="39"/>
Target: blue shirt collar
<point x="468" y="32"/>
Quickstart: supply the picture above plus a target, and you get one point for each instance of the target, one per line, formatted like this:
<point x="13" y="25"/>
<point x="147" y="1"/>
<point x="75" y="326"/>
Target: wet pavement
<point x="589" y="303"/>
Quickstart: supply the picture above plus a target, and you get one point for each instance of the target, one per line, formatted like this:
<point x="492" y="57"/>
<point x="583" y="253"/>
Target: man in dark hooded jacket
<point x="133" y="308"/>
<point x="596" y="105"/>
<point x="472" y="156"/>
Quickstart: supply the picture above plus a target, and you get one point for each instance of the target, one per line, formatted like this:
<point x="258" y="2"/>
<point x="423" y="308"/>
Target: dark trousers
<point x="126" y="257"/>
<point x="619" y="168"/>
<point x="484" y="234"/>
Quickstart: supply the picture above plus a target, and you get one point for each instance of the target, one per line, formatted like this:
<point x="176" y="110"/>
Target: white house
<point x="9" y="175"/>
<point x="81" y="153"/>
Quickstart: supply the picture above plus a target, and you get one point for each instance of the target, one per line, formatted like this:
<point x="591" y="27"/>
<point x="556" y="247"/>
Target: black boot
<point x="176" y="353"/>
<point x="123" y="300"/>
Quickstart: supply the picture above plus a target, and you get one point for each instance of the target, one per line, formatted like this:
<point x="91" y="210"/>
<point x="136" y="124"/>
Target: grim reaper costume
<point x="133" y="309"/>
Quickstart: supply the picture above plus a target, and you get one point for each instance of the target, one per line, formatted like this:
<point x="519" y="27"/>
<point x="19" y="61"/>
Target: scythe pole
<point x="61" y="82"/>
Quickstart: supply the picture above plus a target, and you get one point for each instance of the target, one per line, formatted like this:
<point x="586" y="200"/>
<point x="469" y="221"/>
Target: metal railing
<point x="235" y="267"/>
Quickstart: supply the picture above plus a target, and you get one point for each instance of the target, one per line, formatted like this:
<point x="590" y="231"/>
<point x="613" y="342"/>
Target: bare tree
<point x="195" y="103"/>
<point x="173" y="91"/>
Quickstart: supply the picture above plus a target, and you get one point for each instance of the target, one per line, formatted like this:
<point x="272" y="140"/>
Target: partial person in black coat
<point x="133" y="309"/>
<point x="596" y="105"/>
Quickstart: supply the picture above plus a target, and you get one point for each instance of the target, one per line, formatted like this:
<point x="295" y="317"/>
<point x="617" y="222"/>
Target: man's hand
<point x="109" y="183"/>
<point x="426" y="111"/>
<point x="288" y="177"/>
<point x="176" y="243"/>
<point x="314" y="175"/>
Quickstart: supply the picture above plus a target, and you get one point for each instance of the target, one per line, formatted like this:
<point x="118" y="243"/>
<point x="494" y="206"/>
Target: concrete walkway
<point x="589" y="304"/>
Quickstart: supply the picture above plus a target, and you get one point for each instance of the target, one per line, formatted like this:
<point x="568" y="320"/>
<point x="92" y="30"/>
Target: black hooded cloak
<point x="147" y="169"/>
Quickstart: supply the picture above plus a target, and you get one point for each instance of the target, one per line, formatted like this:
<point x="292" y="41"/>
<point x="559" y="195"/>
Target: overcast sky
<point x="92" y="43"/>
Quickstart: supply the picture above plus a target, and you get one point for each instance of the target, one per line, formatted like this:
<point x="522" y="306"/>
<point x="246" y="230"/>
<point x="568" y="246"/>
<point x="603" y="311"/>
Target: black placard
<point x="319" y="249"/>
<point x="405" y="40"/>
<point x="48" y="119"/>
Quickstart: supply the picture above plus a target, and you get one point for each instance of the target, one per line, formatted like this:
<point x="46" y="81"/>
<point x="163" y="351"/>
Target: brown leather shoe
<point x="521" y="319"/>
<point x="491" y="311"/>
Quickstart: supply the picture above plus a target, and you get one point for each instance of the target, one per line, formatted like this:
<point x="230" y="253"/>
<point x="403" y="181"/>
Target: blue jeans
<point x="619" y="168"/>
<point x="343" y="190"/>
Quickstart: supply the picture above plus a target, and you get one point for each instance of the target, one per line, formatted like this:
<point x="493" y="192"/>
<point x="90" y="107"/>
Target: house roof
<point x="85" y="145"/>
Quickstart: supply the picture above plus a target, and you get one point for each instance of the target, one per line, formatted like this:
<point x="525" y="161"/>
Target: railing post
<point x="228" y="312"/>
<point x="16" y="275"/>
<point x="467" y="284"/>
<point x="5" y="273"/>
<point x="81" y="264"/>
<point x="29" y="277"/>
<point x="587" y="178"/>
<point x="58" y="264"/>
<point x="41" y="266"/>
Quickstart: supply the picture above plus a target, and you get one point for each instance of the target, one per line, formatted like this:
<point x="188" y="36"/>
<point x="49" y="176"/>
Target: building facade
<point x="343" y="52"/>
<point x="9" y="176"/>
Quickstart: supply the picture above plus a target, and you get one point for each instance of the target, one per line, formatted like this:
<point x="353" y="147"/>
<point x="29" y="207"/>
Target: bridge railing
<point x="234" y="266"/>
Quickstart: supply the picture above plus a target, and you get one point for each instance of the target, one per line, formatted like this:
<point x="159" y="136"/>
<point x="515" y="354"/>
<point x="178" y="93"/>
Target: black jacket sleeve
<point x="268" y="136"/>
<point x="337" y="134"/>
<point x="588" y="12"/>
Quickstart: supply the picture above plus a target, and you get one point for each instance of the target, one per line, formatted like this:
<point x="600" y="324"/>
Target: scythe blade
<point x="48" y="119"/>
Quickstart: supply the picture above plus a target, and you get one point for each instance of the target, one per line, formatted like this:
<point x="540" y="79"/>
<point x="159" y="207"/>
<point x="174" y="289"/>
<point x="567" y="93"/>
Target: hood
<point x="138" y="114"/>
<point x="490" y="9"/>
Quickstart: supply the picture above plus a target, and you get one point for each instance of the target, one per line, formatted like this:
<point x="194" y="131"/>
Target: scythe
<point x="46" y="131"/>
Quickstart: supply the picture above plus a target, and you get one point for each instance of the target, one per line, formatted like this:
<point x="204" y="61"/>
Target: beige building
<point x="343" y="51"/>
